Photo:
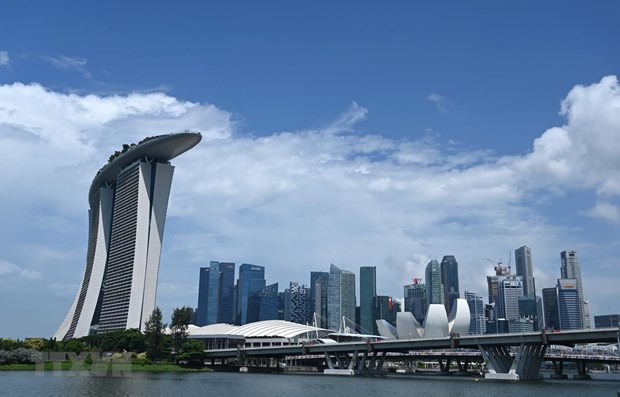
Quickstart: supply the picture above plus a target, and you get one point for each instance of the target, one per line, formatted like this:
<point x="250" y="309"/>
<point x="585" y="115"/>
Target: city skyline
<point x="380" y="135"/>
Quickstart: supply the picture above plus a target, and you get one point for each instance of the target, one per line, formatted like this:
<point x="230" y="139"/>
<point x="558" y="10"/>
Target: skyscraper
<point x="434" y="285"/>
<point x="510" y="289"/>
<point x="216" y="294"/>
<point x="550" y="308"/>
<point x="523" y="261"/>
<point x="340" y="297"/>
<point x="314" y="276"/>
<point x="251" y="280"/>
<point x="296" y="298"/>
<point x="368" y="293"/>
<point x="477" y="323"/>
<point x="450" y="280"/>
<point x="320" y="303"/>
<point x="128" y="202"/>
<point x="569" y="304"/>
<point x="263" y="304"/>
<point x="415" y="300"/>
<point x="570" y="269"/>
<point x="203" y="296"/>
<point x="387" y="308"/>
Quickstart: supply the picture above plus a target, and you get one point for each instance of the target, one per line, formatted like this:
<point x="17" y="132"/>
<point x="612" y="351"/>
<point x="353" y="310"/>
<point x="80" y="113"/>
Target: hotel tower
<point x="128" y="202"/>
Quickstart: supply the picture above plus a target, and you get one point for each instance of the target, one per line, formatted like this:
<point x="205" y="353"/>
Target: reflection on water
<point x="22" y="383"/>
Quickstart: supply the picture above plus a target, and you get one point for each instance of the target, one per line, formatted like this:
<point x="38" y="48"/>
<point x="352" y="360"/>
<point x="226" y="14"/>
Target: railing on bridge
<point x="506" y="356"/>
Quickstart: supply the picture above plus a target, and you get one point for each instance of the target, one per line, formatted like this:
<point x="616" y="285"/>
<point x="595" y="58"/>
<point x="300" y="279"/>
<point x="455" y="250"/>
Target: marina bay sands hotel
<point x="128" y="202"/>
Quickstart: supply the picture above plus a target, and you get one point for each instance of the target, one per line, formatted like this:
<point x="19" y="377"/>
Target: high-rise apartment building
<point x="340" y="298"/>
<point x="570" y="269"/>
<point x="296" y="303"/>
<point x="251" y="280"/>
<point x="450" y="280"/>
<point x="368" y="293"/>
<point x="128" y="201"/>
<point x="434" y="285"/>
<point x="523" y="262"/>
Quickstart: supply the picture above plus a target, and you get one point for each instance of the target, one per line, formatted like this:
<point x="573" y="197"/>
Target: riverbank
<point x="75" y="366"/>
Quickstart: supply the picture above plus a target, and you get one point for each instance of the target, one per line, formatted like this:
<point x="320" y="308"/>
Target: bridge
<point x="506" y="356"/>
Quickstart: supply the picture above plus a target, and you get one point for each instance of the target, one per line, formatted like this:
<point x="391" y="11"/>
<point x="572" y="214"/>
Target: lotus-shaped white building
<point x="437" y="323"/>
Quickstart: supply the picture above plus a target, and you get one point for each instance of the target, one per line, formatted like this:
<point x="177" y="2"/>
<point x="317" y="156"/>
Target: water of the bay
<point x="22" y="383"/>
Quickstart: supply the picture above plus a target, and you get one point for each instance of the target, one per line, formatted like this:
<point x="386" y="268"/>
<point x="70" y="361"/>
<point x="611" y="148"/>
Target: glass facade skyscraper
<point x="415" y="300"/>
<point x="320" y="299"/>
<point x="251" y="279"/>
<point x="509" y="290"/>
<point x="450" y="280"/>
<point x="434" y="285"/>
<point x="477" y="322"/>
<point x="314" y="293"/>
<point x="263" y="304"/>
<point x="128" y="201"/>
<point x="340" y="297"/>
<point x="203" y="296"/>
<point x="523" y="263"/>
<point x="569" y="304"/>
<point x="368" y="293"/>
<point x="550" y="308"/>
<point x="570" y="269"/>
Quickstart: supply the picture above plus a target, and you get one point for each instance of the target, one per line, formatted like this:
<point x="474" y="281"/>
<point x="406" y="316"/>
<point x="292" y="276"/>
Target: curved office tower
<point x="128" y="202"/>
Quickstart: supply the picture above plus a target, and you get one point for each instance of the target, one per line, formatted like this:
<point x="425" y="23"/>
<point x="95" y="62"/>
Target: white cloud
<point x="296" y="201"/>
<point x="605" y="211"/>
<point x="438" y="100"/>
<point x="4" y="58"/>
<point x="70" y="64"/>
<point x="8" y="268"/>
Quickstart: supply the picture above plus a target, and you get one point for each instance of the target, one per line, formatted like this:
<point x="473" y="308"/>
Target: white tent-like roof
<point x="259" y="329"/>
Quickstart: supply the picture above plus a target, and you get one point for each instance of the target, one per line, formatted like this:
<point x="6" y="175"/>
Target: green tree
<point x="181" y="317"/>
<point x="193" y="353"/>
<point x="154" y="335"/>
<point x="74" y="345"/>
<point x="35" y="343"/>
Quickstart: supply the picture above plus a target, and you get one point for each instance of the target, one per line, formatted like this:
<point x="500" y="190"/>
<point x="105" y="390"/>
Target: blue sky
<point x="356" y="133"/>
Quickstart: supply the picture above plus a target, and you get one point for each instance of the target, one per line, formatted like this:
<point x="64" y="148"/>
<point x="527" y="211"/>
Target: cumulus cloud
<point x="4" y="58"/>
<point x="297" y="201"/>
<point x="585" y="152"/>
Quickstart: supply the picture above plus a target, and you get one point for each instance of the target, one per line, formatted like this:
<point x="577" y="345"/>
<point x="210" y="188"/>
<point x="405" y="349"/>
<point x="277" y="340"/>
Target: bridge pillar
<point x="582" y="371"/>
<point x="444" y="369"/>
<point x="558" y="370"/>
<point x="524" y="366"/>
<point x="357" y="363"/>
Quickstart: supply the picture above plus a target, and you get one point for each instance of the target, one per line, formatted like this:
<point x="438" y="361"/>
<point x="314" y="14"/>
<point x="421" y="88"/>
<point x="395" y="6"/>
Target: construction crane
<point x="497" y="266"/>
